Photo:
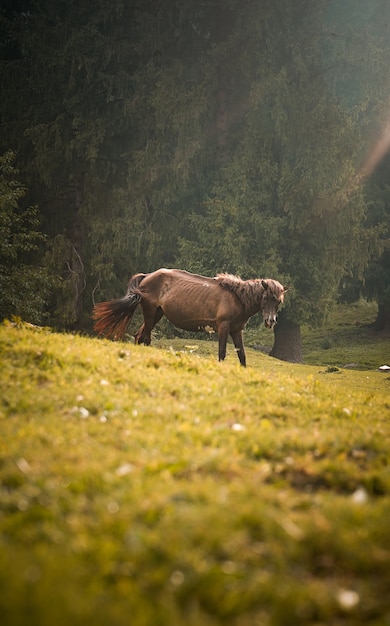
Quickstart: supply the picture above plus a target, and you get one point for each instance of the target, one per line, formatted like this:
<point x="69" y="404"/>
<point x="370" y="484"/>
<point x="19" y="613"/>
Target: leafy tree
<point x="291" y="181"/>
<point x="24" y="287"/>
<point x="214" y="135"/>
<point x="101" y="105"/>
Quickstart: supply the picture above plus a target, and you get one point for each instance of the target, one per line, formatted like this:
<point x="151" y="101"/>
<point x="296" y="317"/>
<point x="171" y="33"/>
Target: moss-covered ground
<point x="156" y="486"/>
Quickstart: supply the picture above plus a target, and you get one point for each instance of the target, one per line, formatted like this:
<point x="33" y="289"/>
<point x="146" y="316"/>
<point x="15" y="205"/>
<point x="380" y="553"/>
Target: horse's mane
<point x="249" y="292"/>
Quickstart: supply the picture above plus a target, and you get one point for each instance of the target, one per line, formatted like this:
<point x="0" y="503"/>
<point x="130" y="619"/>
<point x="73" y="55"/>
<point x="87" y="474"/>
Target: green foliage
<point x="237" y="232"/>
<point x="24" y="287"/>
<point x="215" y="136"/>
<point x="287" y="199"/>
<point x="173" y="489"/>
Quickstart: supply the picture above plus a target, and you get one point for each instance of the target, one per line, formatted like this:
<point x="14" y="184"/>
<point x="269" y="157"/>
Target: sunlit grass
<point x="158" y="486"/>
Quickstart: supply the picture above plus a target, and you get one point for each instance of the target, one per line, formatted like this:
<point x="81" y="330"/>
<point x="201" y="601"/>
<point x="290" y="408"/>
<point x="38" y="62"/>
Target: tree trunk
<point x="75" y="195"/>
<point x="382" y="321"/>
<point x="287" y="340"/>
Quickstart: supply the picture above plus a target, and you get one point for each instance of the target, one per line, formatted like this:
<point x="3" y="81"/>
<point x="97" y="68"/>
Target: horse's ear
<point x="264" y="284"/>
<point x="285" y="289"/>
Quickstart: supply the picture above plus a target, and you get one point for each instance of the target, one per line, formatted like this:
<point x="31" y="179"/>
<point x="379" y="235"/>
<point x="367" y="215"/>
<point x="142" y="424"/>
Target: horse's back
<point x="176" y="274"/>
<point x="167" y="279"/>
<point x="190" y="301"/>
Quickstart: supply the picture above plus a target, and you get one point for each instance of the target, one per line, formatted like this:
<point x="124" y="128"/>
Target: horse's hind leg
<point x="151" y="318"/>
<point x="140" y="336"/>
<point x="239" y="346"/>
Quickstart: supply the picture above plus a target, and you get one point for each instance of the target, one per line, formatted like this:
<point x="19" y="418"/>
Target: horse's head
<point x="272" y="298"/>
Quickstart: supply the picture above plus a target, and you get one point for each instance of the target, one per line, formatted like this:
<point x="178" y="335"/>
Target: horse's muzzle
<point x="270" y="322"/>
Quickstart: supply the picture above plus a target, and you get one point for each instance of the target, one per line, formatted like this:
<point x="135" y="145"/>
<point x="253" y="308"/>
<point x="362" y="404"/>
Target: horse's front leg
<point x="223" y="333"/>
<point x="239" y="346"/>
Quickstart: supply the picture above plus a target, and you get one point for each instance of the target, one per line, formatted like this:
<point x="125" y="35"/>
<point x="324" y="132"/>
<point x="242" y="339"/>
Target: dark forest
<point x="244" y="137"/>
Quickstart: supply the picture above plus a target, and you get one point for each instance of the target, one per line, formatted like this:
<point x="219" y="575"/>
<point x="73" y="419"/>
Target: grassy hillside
<point x="155" y="486"/>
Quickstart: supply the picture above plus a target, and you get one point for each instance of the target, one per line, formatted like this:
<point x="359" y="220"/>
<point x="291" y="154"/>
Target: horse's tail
<point x="113" y="317"/>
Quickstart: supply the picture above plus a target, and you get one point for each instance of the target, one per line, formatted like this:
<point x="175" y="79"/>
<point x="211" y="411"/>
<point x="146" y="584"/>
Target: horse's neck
<point x="254" y="296"/>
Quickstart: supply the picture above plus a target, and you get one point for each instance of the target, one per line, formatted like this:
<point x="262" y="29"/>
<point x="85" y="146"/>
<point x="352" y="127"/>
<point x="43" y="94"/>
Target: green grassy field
<point x="156" y="486"/>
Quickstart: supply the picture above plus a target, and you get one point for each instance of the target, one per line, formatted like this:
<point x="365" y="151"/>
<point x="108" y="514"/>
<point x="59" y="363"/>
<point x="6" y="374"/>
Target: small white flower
<point x="238" y="427"/>
<point x="360" y="496"/>
<point x="124" y="469"/>
<point x="23" y="465"/>
<point x="347" y="598"/>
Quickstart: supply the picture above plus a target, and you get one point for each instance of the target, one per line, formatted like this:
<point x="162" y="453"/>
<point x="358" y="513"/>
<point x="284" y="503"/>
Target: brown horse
<point x="192" y="302"/>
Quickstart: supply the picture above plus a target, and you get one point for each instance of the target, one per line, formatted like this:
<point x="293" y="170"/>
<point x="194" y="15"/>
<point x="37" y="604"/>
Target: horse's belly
<point x="196" y="305"/>
<point x="194" y="325"/>
<point x="190" y="319"/>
